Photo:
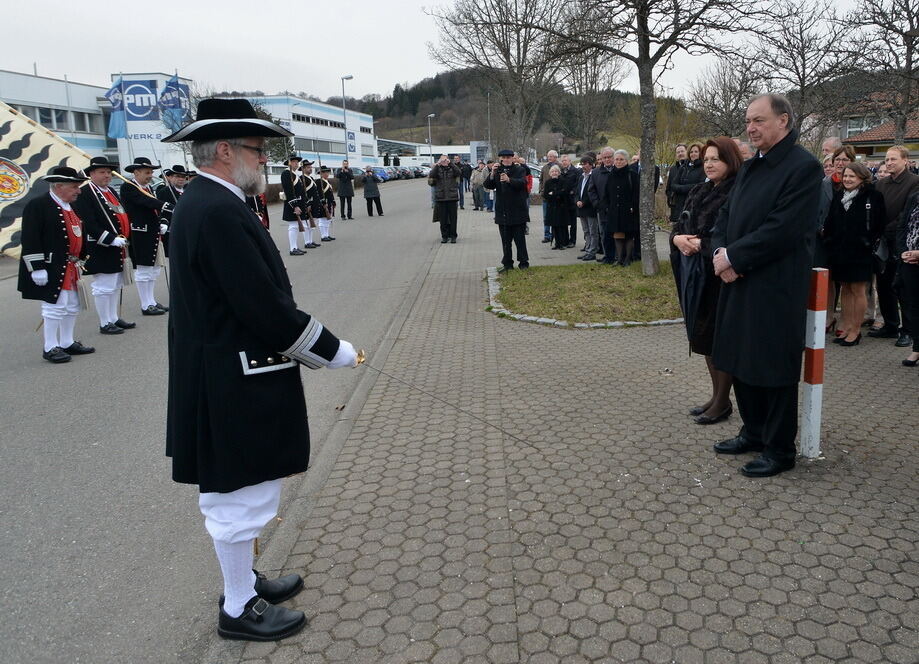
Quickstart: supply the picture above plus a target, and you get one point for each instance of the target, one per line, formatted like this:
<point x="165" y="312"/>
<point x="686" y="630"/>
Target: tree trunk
<point x="647" y="227"/>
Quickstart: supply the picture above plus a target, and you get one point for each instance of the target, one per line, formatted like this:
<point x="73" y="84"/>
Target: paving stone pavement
<point x="597" y="525"/>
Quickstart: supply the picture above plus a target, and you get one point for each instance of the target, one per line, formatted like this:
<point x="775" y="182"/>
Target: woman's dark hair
<point x="860" y="170"/>
<point x="695" y="145"/>
<point x="728" y="152"/>
<point x="848" y="150"/>
<point x="587" y="159"/>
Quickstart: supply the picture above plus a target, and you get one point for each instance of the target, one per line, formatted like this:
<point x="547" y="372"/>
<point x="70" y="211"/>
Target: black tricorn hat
<point x="325" y="169"/>
<point x="99" y="162"/>
<point x="178" y="169"/>
<point x="306" y="162"/>
<point x="226" y="118"/>
<point x="293" y="157"/>
<point x="140" y="162"/>
<point x="63" y="174"/>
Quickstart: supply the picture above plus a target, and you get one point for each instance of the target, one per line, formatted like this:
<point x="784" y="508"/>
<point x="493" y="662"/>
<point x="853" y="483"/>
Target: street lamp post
<point x="344" y="111"/>
<point x="430" y="149"/>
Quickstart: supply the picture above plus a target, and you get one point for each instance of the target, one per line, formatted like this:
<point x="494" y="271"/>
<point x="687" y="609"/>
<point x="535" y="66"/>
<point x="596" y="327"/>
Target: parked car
<point x="381" y="173"/>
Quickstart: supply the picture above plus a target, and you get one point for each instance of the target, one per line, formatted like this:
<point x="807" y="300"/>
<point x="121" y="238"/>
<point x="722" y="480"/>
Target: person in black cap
<point x="508" y="180"/>
<point x="52" y="251"/>
<point x="345" y="190"/>
<point x="445" y="178"/>
<point x="107" y="231"/>
<point x="327" y="194"/>
<point x="144" y="211"/>
<point x="236" y="419"/>
<point x="175" y="180"/>
<point x="293" y="212"/>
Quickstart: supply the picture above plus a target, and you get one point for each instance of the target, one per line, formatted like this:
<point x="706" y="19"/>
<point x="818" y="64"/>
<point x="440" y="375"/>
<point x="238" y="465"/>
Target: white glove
<point x="40" y="277"/>
<point x="163" y="229"/>
<point x="119" y="242"/>
<point x="345" y="357"/>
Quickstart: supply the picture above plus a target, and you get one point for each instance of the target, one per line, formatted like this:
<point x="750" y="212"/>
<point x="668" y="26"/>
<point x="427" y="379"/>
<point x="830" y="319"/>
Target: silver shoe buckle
<point x="260" y="607"/>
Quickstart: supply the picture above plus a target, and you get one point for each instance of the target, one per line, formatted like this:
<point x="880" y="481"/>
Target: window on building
<point x="321" y="146"/>
<point x="368" y="150"/>
<point x="29" y="111"/>
<point x="277" y="170"/>
<point x="304" y="144"/>
<point x="337" y="147"/>
<point x="366" y="130"/>
<point x="61" y="119"/>
<point x="857" y="125"/>
<point x="300" y="118"/>
<point x="44" y="117"/>
<point x="94" y="123"/>
<point x="80" y="121"/>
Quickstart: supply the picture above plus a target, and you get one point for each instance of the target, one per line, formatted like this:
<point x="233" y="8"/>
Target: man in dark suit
<point x="236" y="420"/>
<point x="508" y="181"/>
<point x="144" y="211"/>
<point x="763" y="244"/>
<point x="586" y="211"/>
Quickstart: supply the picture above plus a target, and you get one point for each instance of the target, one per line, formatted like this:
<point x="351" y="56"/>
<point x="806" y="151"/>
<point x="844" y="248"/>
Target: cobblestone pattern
<point x="601" y="527"/>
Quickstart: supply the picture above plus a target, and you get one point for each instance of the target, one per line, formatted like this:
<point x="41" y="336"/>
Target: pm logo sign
<point x="140" y="100"/>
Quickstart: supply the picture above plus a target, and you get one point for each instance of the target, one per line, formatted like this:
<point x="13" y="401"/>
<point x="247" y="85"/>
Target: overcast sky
<point x="244" y="44"/>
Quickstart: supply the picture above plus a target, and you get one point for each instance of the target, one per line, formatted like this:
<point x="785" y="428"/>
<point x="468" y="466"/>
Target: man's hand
<point x="40" y="277"/>
<point x="298" y="211"/>
<point x="580" y="203"/>
<point x="505" y="177"/>
<point x="721" y="262"/>
<point x="494" y="167"/>
<point x="911" y="257"/>
<point x="687" y="244"/>
<point x="728" y="275"/>
<point x="345" y="357"/>
<point x="163" y="229"/>
<point x="119" y="242"/>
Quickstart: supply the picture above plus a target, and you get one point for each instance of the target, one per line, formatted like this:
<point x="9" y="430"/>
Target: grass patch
<point x="591" y="293"/>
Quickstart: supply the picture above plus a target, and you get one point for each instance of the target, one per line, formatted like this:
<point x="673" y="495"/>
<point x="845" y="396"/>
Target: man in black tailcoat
<point x="293" y="211"/>
<point x="508" y="180"/>
<point x="107" y="231"/>
<point x="173" y="186"/>
<point x="236" y="419"/>
<point x="144" y="211"/>
<point x="763" y="245"/>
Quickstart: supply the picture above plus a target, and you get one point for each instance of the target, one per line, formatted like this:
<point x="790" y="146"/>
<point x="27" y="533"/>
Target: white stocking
<point x="68" y="322"/>
<point x="102" y="308"/>
<point x="292" y="236"/>
<point x="238" y="578"/>
<point x="52" y="330"/>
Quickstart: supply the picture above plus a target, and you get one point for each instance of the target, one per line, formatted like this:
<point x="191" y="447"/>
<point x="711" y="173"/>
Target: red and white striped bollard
<point x="815" y="342"/>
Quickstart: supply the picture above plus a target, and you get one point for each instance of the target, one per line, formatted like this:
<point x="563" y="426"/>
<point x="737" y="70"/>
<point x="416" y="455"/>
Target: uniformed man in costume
<point x="175" y="179"/>
<point x="49" y="270"/>
<point x="236" y="342"/>
<point x="144" y="212"/>
<point x="327" y="196"/>
<point x="312" y="204"/>
<point x="294" y="213"/>
<point x="259" y="205"/>
<point x="107" y="232"/>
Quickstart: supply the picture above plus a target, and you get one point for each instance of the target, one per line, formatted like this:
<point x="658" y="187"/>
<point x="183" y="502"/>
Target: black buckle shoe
<point x="76" y="348"/>
<point x="297" y="252"/>
<point x="275" y="590"/>
<point x="883" y="333"/>
<point x="56" y="355"/>
<point x="261" y="621"/>
<point x="152" y="310"/>
<point x="764" y="466"/>
<point x="720" y="417"/>
<point x="904" y="340"/>
<point x="159" y="306"/>
<point x="110" y="328"/>
<point x="124" y="325"/>
<point x="737" y="445"/>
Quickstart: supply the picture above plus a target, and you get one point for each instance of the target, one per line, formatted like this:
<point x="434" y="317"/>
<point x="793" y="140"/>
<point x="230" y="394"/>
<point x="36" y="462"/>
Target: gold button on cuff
<point x="253" y="363"/>
<point x="270" y="360"/>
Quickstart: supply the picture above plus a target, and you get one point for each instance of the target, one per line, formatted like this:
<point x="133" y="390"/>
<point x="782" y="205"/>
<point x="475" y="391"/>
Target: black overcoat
<point x="596" y="190"/>
<point x="345" y="183"/>
<point x="582" y="194"/>
<point x="101" y="226"/>
<point x="768" y="227"/>
<point x="622" y="201"/>
<point x="292" y="184"/>
<point x="312" y="195"/>
<point x="511" y="198"/>
<point x="168" y="194"/>
<point x="850" y="235"/>
<point x="144" y="215"/>
<point x="236" y="415"/>
<point x="44" y="247"/>
<point x="558" y="201"/>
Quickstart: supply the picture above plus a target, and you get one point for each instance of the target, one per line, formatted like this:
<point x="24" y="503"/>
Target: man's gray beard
<point x="250" y="180"/>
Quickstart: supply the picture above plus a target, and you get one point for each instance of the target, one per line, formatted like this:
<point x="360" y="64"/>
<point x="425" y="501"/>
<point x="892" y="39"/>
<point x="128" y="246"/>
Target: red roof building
<point x="874" y="142"/>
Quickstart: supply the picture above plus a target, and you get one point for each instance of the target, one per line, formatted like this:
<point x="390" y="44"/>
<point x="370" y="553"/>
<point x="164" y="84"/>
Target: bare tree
<point x="648" y="33"/>
<point x="887" y="32"/>
<point x="503" y="41"/>
<point x="590" y="77"/>
<point x="720" y="94"/>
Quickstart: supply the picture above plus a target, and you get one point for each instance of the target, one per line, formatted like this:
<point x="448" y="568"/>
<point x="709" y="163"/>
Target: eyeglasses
<point x="260" y="151"/>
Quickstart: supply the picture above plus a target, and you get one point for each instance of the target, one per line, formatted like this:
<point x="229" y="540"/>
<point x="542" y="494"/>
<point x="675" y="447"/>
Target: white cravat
<point x="229" y="185"/>
<point x="57" y="200"/>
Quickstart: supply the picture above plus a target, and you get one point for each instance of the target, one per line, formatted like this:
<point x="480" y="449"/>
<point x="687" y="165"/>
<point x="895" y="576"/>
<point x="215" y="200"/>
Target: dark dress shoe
<point x="312" y="245"/>
<point x="444" y="240"/>
<point x="883" y="333"/>
<point x="277" y="590"/>
<point x="720" y="417"/>
<point x="350" y="217"/>
<point x="737" y="445"/>
<point x="56" y="355"/>
<point x="763" y="466"/>
<point x="854" y="342"/>
<point x="839" y="340"/>
<point x="124" y="325"/>
<point x="297" y="252"/>
<point x="110" y="328"/>
<point x="261" y="621"/>
<point x="452" y="240"/>
<point x="76" y="348"/>
<point x="903" y="341"/>
<point x="697" y="410"/>
<point x="570" y="245"/>
<point x="330" y="238"/>
<point x="159" y="306"/>
<point x="152" y="311"/>
<point x="910" y="363"/>
<point x="524" y="267"/>
<point x="505" y="268"/>
<point x="546" y="240"/>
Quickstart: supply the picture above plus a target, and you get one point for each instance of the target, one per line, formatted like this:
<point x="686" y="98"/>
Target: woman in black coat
<point x="853" y="225"/>
<point x="685" y="179"/>
<point x="908" y="250"/>
<point x="622" y="207"/>
<point x="692" y="235"/>
<point x="558" y="201"/>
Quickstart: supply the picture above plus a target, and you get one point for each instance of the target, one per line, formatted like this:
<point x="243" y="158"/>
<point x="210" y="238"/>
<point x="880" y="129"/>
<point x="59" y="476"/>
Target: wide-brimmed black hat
<point x="506" y="153"/>
<point x="325" y="169"/>
<point x="306" y="162"/>
<point x="226" y="118"/>
<point x="293" y="157"/>
<point x="64" y="174"/>
<point x="141" y="162"/>
<point x="99" y="162"/>
<point x="178" y="169"/>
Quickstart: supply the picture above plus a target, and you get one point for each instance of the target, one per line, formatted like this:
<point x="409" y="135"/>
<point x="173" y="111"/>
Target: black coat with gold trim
<point x="144" y="214"/>
<point x="292" y="185"/>
<point x="45" y="246"/>
<point x="101" y="226"/>
<point x="234" y="335"/>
